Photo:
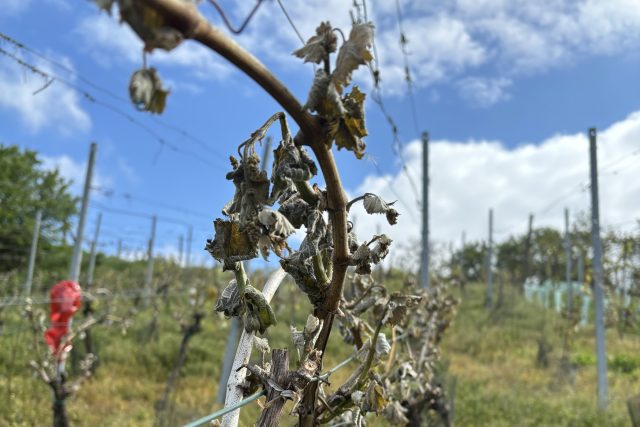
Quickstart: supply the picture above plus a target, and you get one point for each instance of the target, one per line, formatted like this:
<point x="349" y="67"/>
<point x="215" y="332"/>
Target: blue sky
<point x="506" y="90"/>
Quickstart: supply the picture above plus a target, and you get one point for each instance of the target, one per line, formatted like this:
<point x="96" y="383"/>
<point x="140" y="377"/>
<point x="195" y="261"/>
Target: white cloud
<point x="111" y="43"/>
<point x="55" y="107"/>
<point x="438" y="48"/>
<point x="484" y="92"/>
<point x="438" y="45"/>
<point x="468" y="178"/>
<point x="449" y="40"/>
<point x="75" y="171"/>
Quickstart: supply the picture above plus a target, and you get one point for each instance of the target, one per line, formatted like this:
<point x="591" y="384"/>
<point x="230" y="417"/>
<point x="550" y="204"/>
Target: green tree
<point x="26" y="187"/>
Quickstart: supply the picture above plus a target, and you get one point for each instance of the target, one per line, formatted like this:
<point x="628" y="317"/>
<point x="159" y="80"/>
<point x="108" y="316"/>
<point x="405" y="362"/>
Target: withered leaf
<point x="277" y="223"/>
<point x="364" y="256"/>
<point x="301" y="270"/>
<point x="318" y="47"/>
<point x="293" y="162"/>
<point x="259" y="315"/>
<point x="324" y="97"/>
<point x="146" y="92"/>
<point x="375" y="400"/>
<point x="351" y="127"/>
<point x="296" y="210"/>
<point x="230" y="302"/>
<point x="353" y="53"/>
<point x="375" y="205"/>
<point x="398" y="307"/>
<point x="381" y="249"/>
<point x="230" y="244"/>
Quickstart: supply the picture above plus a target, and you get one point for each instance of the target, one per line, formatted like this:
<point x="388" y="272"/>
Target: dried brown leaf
<point x="353" y="53"/>
<point x="318" y="47"/>
<point x="230" y="244"/>
<point x="350" y="129"/>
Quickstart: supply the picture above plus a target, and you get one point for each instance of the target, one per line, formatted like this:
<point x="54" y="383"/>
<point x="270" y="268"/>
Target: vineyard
<point x="304" y="290"/>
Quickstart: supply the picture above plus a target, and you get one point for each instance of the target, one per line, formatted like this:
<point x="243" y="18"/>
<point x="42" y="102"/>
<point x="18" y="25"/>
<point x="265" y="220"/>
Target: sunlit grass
<point x="492" y="354"/>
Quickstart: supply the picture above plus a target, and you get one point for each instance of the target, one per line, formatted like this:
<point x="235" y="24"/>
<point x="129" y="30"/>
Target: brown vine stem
<point x="186" y="18"/>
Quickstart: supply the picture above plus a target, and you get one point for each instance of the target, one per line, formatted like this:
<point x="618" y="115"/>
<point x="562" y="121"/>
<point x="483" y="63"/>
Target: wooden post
<point x="280" y="375"/>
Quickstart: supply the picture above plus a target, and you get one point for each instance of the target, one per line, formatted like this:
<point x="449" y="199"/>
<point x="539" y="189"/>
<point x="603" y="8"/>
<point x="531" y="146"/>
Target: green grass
<point x="133" y="371"/>
<point x="492" y="354"/>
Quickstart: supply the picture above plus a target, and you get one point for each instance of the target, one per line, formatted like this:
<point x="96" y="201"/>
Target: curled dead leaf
<point x="146" y="92"/>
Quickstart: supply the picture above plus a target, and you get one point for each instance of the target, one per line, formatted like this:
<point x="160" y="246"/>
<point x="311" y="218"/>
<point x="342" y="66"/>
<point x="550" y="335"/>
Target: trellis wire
<point x="226" y="410"/>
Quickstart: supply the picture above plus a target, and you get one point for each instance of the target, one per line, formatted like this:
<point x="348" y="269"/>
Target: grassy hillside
<point x="492" y="355"/>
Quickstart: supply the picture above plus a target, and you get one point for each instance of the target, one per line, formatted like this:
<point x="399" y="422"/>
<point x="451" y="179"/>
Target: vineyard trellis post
<point x="148" y="277"/>
<point x="567" y="246"/>
<point x="489" y="298"/>
<point x="180" y="250"/>
<point x="92" y="256"/>
<point x="424" y="261"/>
<point x="76" y="257"/>
<point x="580" y="267"/>
<point x="33" y="253"/>
<point x="119" y="250"/>
<point x="527" y="249"/>
<point x="88" y="308"/>
<point x="187" y="260"/>
<point x="229" y="353"/>
<point x="598" y="274"/>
